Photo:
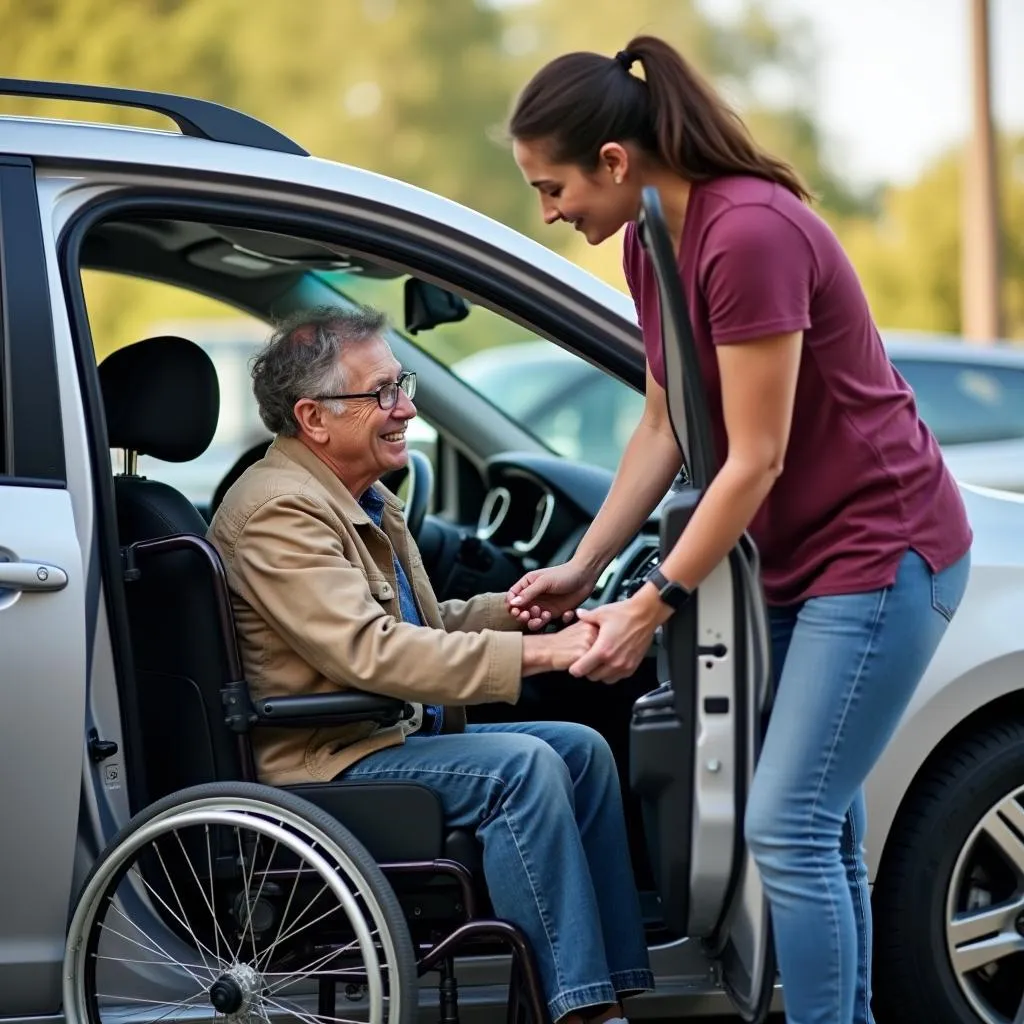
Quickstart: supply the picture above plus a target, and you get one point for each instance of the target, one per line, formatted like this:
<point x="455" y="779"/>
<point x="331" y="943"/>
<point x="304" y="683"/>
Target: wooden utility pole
<point x="980" y="272"/>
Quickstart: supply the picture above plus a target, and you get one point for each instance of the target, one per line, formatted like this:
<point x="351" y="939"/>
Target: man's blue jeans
<point x="846" y="669"/>
<point x="544" y="800"/>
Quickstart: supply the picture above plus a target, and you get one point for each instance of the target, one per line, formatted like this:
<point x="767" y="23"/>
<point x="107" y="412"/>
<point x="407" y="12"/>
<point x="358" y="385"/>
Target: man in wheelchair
<point x="330" y="593"/>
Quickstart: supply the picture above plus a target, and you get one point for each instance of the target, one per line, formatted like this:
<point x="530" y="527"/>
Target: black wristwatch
<point x="675" y="595"/>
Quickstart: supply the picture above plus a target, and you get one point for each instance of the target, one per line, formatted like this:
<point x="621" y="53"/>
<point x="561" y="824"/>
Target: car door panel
<point x="695" y="739"/>
<point x="42" y="636"/>
<point x="42" y="620"/>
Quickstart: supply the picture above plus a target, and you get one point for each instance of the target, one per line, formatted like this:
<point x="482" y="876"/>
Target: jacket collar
<point x="294" y="450"/>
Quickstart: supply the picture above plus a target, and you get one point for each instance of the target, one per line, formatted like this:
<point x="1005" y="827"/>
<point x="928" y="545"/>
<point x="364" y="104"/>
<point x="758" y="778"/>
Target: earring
<point x="618" y="180"/>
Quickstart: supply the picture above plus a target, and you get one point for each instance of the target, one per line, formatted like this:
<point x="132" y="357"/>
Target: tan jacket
<point x="316" y="607"/>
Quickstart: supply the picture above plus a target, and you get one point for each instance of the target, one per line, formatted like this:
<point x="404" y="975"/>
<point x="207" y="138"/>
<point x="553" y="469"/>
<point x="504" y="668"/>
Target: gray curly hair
<point x="302" y="360"/>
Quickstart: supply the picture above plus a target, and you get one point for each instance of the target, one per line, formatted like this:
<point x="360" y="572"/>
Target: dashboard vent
<point x="627" y="572"/>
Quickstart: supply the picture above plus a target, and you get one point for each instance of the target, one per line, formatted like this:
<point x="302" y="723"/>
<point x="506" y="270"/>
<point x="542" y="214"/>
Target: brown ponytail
<point x="580" y="101"/>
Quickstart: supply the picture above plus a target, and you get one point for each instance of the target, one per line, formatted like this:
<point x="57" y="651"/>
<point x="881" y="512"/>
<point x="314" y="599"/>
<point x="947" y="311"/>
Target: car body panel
<point x="979" y="661"/>
<point x="42" y="637"/>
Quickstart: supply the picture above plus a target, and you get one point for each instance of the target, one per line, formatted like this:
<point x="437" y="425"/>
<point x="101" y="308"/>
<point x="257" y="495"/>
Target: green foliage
<point x="421" y="89"/>
<point x="765" y="67"/>
<point x="411" y="89"/>
<point x="909" y="258"/>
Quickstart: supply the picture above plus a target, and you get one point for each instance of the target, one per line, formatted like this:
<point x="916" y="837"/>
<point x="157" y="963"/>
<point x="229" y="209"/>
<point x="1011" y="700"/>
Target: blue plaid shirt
<point x="373" y="505"/>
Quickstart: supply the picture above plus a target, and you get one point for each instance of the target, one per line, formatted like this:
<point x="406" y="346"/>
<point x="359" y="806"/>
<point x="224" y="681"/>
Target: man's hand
<point x="555" y="652"/>
<point x="549" y="594"/>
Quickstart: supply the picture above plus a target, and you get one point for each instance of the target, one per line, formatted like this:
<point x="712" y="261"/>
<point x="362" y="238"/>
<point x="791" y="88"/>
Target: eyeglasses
<point x="386" y="394"/>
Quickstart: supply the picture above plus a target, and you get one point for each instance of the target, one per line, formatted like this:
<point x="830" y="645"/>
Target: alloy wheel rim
<point x="984" y="914"/>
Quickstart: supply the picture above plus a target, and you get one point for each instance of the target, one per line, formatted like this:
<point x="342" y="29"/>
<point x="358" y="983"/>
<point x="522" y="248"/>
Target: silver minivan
<point x="147" y="876"/>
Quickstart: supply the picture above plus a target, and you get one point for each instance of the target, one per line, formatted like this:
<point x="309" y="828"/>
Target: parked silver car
<point x="147" y="877"/>
<point x="972" y="398"/>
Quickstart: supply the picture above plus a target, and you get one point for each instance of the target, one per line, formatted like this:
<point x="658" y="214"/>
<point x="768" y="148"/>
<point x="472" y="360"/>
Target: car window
<point x="965" y="403"/>
<point x="594" y="421"/>
<point x="227" y="335"/>
<point x="574" y="408"/>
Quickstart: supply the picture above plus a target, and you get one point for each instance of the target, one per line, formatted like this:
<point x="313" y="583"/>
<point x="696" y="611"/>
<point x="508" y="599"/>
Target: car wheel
<point x="949" y="899"/>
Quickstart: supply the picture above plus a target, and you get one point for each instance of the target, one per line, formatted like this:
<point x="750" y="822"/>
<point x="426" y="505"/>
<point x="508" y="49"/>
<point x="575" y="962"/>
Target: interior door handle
<point x="31" y="576"/>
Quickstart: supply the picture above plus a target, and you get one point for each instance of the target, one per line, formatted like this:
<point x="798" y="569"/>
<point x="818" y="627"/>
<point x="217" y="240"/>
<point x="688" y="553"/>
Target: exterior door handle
<point x="31" y="576"/>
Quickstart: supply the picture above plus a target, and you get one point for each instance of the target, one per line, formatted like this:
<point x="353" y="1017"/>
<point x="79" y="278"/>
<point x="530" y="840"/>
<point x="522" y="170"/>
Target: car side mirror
<point x="427" y="305"/>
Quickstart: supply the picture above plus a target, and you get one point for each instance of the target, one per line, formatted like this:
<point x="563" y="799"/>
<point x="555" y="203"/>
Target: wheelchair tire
<point x="190" y="924"/>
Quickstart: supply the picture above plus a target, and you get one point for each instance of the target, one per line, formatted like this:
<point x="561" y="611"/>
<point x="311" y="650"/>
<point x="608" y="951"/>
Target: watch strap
<point x="675" y="595"/>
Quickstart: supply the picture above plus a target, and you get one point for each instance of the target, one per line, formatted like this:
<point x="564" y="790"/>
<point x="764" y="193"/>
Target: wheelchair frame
<point x="435" y="951"/>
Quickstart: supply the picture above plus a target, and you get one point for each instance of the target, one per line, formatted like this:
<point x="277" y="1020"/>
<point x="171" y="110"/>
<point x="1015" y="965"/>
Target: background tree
<point x="421" y="90"/>
<point x="402" y="87"/>
<point x="766" y="69"/>
<point x="909" y="256"/>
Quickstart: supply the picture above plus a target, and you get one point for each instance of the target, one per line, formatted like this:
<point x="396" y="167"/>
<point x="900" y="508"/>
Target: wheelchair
<point x="323" y="902"/>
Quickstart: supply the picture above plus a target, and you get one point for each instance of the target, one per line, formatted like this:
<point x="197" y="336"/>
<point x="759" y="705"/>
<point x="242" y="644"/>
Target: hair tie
<point x="625" y="59"/>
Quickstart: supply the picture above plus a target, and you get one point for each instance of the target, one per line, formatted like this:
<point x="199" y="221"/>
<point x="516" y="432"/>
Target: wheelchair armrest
<point x="320" y="709"/>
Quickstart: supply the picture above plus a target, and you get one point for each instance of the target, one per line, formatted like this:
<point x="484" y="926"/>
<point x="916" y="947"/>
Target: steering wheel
<point x="421" y="484"/>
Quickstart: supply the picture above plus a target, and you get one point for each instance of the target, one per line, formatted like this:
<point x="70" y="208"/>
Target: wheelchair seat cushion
<point x="395" y="821"/>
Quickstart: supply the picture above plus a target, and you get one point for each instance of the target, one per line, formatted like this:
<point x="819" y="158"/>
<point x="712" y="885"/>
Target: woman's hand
<point x="625" y="630"/>
<point x="544" y="595"/>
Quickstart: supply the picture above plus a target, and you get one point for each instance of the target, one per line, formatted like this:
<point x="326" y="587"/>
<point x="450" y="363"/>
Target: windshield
<point x="572" y="407"/>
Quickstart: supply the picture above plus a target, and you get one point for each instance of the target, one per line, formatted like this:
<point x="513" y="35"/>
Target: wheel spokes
<point x="1004" y="826"/>
<point x="187" y="887"/>
<point x="985" y="914"/>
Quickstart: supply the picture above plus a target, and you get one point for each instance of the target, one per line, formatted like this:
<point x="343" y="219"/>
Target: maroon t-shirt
<point x="863" y="477"/>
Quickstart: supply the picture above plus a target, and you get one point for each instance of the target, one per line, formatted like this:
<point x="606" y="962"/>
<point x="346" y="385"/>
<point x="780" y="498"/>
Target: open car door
<point x="695" y="740"/>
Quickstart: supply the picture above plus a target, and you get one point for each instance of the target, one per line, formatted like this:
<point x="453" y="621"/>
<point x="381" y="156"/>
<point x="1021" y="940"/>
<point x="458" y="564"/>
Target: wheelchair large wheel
<point x="237" y="901"/>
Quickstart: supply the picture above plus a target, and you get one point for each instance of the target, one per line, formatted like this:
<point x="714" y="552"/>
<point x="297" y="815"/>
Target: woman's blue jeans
<point x="846" y="669"/>
<point x="544" y="800"/>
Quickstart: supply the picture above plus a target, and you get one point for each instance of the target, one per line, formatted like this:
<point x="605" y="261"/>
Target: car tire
<point x="937" y="833"/>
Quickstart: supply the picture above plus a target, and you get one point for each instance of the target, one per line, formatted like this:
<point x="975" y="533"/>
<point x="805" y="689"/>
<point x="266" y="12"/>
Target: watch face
<point x="675" y="595"/>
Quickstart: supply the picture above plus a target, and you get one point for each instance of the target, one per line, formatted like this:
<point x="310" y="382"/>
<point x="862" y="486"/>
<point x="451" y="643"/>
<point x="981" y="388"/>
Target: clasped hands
<point x="608" y="642"/>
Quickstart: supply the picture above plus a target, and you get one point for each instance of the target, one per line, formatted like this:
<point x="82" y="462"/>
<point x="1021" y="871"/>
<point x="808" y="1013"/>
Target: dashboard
<point x="534" y="512"/>
<point x="537" y="509"/>
<point x="524" y="515"/>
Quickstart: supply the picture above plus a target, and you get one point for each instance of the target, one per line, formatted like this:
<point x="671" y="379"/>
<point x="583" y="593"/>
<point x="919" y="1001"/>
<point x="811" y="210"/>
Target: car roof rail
<point x="202" y="119"/>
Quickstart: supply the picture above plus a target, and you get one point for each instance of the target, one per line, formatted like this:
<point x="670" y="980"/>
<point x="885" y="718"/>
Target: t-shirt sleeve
<point x="757" y="273"/>
<point x="631" y="255"/>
